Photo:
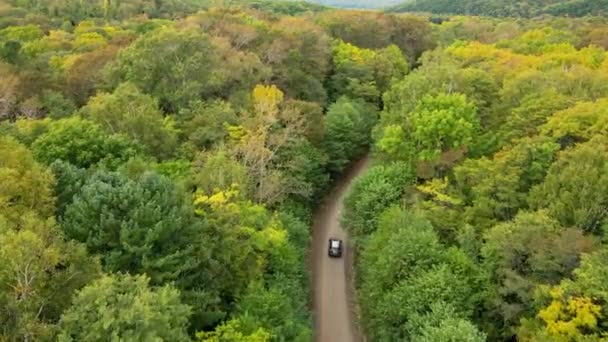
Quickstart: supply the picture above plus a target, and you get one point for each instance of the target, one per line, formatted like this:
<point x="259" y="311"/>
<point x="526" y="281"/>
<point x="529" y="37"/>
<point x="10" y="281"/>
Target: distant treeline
<point x="507" y="8"/>
<point x="358" y="3"/>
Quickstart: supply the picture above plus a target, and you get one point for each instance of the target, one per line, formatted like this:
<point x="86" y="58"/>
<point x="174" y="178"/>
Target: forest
<point x="358" y="3"/>
<point x="506" y="8"/>
<point x="160" y="163"/>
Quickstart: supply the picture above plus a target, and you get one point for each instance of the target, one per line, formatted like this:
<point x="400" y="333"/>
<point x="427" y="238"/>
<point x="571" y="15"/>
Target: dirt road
<point x="333" y="306"/>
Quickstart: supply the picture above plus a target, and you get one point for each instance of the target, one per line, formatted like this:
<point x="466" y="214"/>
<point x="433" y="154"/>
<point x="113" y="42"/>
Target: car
<point x="335" y="248"/>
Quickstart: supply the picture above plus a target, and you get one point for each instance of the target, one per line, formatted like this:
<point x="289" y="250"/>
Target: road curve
<point x="333" y="305"/>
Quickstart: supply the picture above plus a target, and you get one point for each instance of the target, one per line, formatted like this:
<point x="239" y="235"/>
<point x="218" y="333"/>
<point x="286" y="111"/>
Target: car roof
<point x="335" y="243"/>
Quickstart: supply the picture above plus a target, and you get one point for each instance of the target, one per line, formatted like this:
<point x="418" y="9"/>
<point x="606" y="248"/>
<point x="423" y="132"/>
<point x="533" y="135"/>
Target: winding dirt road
<point x="333" y="304"/>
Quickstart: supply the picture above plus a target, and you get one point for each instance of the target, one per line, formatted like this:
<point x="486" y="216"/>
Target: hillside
<point x="507" y="8"/>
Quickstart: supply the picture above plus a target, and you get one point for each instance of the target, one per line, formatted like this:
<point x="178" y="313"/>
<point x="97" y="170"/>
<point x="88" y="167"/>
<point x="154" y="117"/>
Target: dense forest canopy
<point x="506" y="8"/>
<point x="160" y="162"/>
<point x="485" y="215"/>
<point x="358" y="3"/>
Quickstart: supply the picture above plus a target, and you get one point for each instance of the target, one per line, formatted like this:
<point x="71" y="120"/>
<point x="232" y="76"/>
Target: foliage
<point x="82" y="143"/>
<point x="125" y="307"/>
<point x="25" y="187"/>
<point x="372" y="194"/>
<point x="188" y="143"/>
<point x="231" y="331"/>
<point x="129" y="222"/>
<point x="143" y="225"/>
<point x="348" y="124"/>
<point x="499" y="126"/>
<point x="364" y="73"/>
<point x="577" y="123"/>
<point x="357" y="3"/>
<point x="442" y="123"/>
<point x="129" y="112"/>
<point x="573" y="190"/>
<point x="511" y="8"/>
<point x="40" y="272"/>
<point x="376" y="30"/>
<point x="404" y="270"/>
<point x="529" y="251"/>
<point x="263" y="255"/>
<point x="217" y="170"/>
<point x="497" y="189"/>
<point x="204" y="124"/>
<point x="581" y="314"/>
<point x="214" y="70"/>
<point x="451" y="330"/>
<point x="243" y="234"/>
<point x="442" y="323"/>
<point x="271" y="144"/>
<point x="573" y="309"/>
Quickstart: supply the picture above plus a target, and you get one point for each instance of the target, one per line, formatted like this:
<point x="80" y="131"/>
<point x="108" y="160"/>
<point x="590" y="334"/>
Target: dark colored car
<point x="335" y="248"/>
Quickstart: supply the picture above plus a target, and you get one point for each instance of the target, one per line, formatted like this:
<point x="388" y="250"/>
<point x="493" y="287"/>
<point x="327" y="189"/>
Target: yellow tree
<point x="8" y="91"/>
<point x="565" y="319"/>
<point x="262" y="135"/>
<point x="25" y="186"/>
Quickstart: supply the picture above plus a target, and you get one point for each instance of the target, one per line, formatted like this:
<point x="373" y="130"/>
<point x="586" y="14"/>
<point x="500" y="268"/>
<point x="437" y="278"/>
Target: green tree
<point x="125" y="307"/>
<point x="204" y="124"/>
<point x="262" y="144"/>
<point x="579" y="123"/>
<point x="241" y="235"/>
<point x="218" y="170"/>
<point x="69" y="179"/>
<point x="299" y="53"/>
<point x="135" y="115"/>
<point x="496" y="189"/>
<point x="441" y="74"/>
<point x="443" y="123"/>
<point x="451" y="330"/>
<point x="25" y="186"/>
<point x="389" y="64"/>
<point x="530" y="251"/>
<point x="371" y="194"/>
<point x="233" y="331"/>
<point x="441" y="204"/>
<point x="575" y="188"/>
<point x="81" y="143"/>
<point x="144" y="225"/>
<point x="415" y="295"/>
<point x="304" y="168"/>
<point x="533" y="111"/>
<point x="365" y="74"/>
<point x="56" y="105"/>
<point x="386" y="259"/>
<point x="136" y="226"/>
<point x="394" y="144"/>
<point x="178" y="67"/>
<point x="39" y="274"/>
<point x="442" y="323"/>
<point x="353" y="75"/>
<point x="274" y="309"/>
<point x="348" y="130"/>
<point x="524" y="9"/>
<point x="574" y="309"/>
<point x="404" y="270"/>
